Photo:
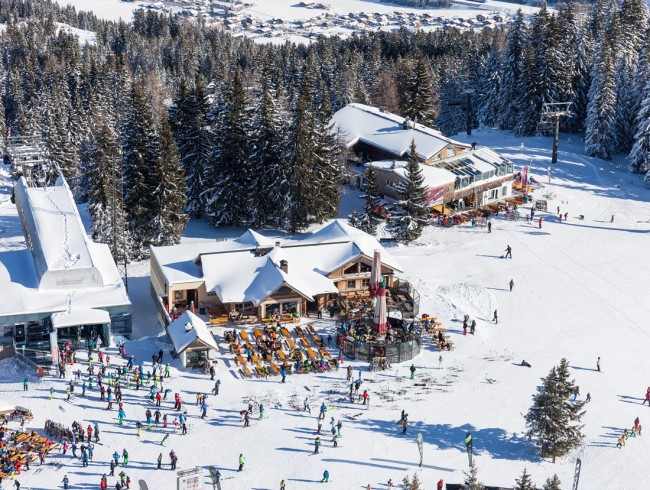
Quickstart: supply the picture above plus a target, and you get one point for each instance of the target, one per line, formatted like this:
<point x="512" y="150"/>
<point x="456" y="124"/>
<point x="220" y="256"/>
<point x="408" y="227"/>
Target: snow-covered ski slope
<point x="580" y="292"/>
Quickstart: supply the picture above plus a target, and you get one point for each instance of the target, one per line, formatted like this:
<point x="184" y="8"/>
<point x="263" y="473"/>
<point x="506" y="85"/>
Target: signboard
<point x="435" y="196"/>
<point x="524" y="179"/>
<point x="191" y="479"/>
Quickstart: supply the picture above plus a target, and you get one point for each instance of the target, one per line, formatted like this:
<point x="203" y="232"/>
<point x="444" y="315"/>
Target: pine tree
<point x="524" y="482"/>
<point x="419" y="104"/>
<point x="141" y="150"/>
<point x="552" y="483"/>
<point x="105" y="193"/>
<point x="471" y="478"/>
<point x="490" y="86"/>
<point x="190" y="126"/>
<point x="600" y="136"/>
<point x="553" y="419"/>
<point x="230" y="195"/>
<point x="169" y="195"/>
<point x="414" y="213"/>
<point x="371" y="197"/>
<point x="513" y="71"/>
<point x="354" y="219"/>
<point x="640" y="155"/>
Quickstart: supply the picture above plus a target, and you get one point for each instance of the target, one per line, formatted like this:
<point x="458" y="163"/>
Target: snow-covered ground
<point x="580" y="292"/>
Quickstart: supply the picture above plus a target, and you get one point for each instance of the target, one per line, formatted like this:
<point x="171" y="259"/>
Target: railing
<point x="29" y="364"/>
<point x="394" y="353"/>
<point x="162" y="311"/>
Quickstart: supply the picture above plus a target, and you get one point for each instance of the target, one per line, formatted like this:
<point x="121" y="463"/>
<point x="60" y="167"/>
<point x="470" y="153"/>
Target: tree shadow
<point x="293" y="450"/>
<point x="438" y="468"/>
<point x="491" y="441"/>
<point x="583" y="368"/>
<point x="364" y="463"/>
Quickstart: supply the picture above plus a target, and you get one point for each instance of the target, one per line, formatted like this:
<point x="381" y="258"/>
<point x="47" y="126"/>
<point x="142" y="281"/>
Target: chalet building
<point x="456" y="174"/>
<point x="260" y="276"/>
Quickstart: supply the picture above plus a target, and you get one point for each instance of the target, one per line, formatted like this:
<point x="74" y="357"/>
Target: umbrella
<point x="375" y="273"/>
<point x="380" y="320"/>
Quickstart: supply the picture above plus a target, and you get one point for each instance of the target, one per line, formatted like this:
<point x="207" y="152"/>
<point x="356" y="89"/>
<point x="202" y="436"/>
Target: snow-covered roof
<point x="243" y="274"/>
<point x="80" y="316"/>
<point x="383" y="130"/>
<point x="56" y="236"/>
<point x="433" y="176"/>
<point x="63" y="270"/>
<point x="186" y="329"/>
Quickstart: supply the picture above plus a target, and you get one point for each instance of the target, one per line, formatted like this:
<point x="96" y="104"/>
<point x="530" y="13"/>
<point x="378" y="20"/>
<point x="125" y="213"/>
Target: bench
<point x="312" y="354"/>
<point x="304" y="342"/>
<point x="291" y="344"/>
<point x="324" y="354"/>
<point x="240" y="360"/>
<point x="298" y="331"/>
<point x="281" y="355"/>
<point x="317" y="340"/>
<point x="245" y="372"/>
<point x="285" y="332"/>
<point x="256" y="359"/>
<point x="274" y="369"/>
<point x="259" y="370"/>
<point x="243" y="335"/>
<point x="257" y="333"/>
<point x="218" y="320"/>
<point x="310" y="329"/>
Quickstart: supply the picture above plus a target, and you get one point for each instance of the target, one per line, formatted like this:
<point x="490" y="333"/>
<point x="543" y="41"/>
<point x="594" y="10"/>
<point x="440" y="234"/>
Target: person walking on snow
<point x="647" y="397"/>
<point x="412" y="369"/>
<point x="241" y="462"/>
<point x="598" y="364"/>
<point x="496" y="318"/>
<point x="316" y="445"/>
<point x="306" y="406"/>
<point x="512" y="284"/>
<point x="440" y="362"/>
<point x="508" y="252"/>
<point x="405" y="423"/>
<point x="323" y="409"/>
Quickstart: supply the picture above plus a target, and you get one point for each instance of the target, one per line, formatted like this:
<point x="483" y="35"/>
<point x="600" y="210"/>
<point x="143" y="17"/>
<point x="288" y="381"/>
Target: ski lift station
<point x="63" y="287"/>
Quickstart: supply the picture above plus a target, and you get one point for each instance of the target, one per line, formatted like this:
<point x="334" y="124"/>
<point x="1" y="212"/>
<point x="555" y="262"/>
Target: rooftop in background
<point x="389" y="132"/>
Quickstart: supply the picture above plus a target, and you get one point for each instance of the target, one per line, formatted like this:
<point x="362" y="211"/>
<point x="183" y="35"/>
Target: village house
<point x="260" y="276"/>
<point x="456" y="174"/>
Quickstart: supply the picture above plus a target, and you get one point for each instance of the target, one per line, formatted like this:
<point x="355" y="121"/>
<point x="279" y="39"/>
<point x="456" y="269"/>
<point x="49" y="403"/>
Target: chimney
<point x="277" y="244"/>
<point x="284" y="266"/>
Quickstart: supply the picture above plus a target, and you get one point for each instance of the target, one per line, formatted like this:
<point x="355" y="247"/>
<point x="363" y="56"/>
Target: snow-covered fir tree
<point x="472" y="481"/>
<point x="169" y="194"/>
<point x="600" y="128"/>
<point x="419" y="103"/>
<point x="553" y="421"/>
<point x="414" y="213"/>
<point x="230" y="193"/>
<point x="451" y="116"/>
<point x="189" y="118"/>
<point x="512" y="86"/>
<point x="640" y="155"/>
<point x="524" y="482"/>
<point x="552" y="483"/>
<point x="490" y="86"/>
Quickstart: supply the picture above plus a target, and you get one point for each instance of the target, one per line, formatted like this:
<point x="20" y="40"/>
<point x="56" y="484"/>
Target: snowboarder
<point x="412" y="369"/>
<point x="508" y="252"/>
<point x="512" y="284"/>
<point x="241" y="462"/>
<point x="496" y="317"/>
<point x="326" y="477"/>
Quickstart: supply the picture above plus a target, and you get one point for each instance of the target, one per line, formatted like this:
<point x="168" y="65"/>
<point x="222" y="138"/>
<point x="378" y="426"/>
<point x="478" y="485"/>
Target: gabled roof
<point x="383" y="130"/>
<point x="433" y="176"/>
<point x="188" y="328"/>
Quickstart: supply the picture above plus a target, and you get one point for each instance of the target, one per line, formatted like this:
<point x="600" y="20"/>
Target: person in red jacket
<point x="441" y="484"/>
<point x="103" y="484"/>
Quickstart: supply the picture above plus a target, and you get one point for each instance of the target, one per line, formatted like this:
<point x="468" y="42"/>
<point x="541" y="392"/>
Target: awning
<point x="80" y="316"/>
<point x="6" y="409"/>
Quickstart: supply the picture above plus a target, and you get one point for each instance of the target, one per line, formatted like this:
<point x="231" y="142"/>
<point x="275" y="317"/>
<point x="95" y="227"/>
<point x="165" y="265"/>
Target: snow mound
<point x="468" y="299"/>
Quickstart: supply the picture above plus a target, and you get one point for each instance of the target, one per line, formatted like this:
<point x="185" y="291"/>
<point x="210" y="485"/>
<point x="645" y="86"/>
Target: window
<point x="365" y="267"/>
<point x="351" y="270"/>
<point x="365" y="283"/>
<point x="451" y="151"/>
<point x="504" y="190"/>
<point x="283" y="291"/>
<point x="352" y="285"/>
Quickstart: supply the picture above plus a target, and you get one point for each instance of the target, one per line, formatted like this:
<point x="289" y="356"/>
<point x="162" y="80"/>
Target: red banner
<point x="524" y="179"/>
<point x="435" y="196"/>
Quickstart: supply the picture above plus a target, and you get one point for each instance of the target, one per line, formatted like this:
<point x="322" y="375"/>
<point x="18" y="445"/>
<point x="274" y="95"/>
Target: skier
<point x="323" y="409"/>
<point x="306" y="406"/>
<point x="25" y="385"/>
<point x="412" y="369"/>
<point x="282" y="487"/>
<point x="365" y="397"/>
<point x="65" y="482"/>
<point x="349" y="376"/>
<point x="598" y="364"/>
<point x="588" y="398"/>
<point x="159" y="461"/>
<point x="496" y="317"/>
<point x="162" y="443"/>
<point x="512" y="284"/>
<point x="508" y="252"/>
<point x="316" y="445"/>
<point x="261" y="411"/>
<point x="241" y="462"/>
<point x="326" y="477"/>
<point x="283" y="373"/>
<point x="125" y="457"/>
